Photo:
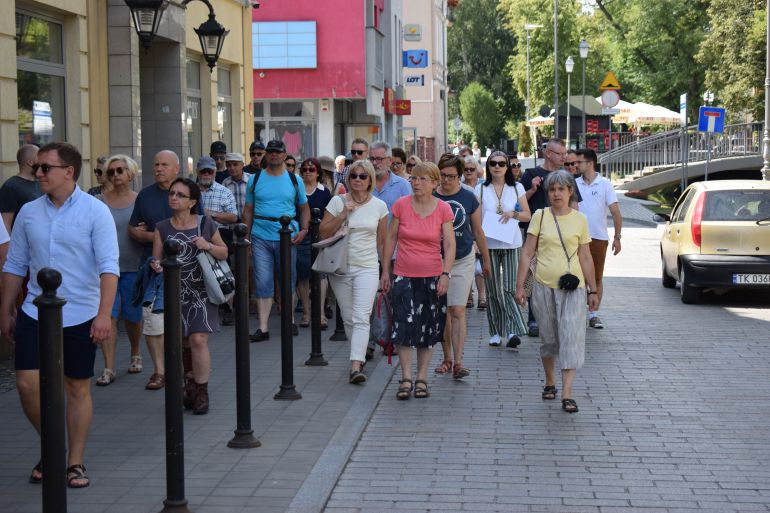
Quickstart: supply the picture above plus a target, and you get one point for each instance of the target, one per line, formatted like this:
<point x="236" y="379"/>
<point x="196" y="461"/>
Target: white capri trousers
<point x="561" y="317"/>
<point x="355" y="294"/>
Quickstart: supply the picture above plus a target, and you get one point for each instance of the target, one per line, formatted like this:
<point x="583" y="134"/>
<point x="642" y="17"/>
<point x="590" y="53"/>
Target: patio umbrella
<point x="540" y="121"/>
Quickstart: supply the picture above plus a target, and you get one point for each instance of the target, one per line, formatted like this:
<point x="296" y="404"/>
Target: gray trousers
<point x="561" y="316"/>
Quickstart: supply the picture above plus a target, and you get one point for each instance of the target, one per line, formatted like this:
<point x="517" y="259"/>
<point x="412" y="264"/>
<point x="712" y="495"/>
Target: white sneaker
<point x="495" y="341"/>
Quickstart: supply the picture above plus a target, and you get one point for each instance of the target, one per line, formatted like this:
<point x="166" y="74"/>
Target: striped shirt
<point x="238" y="188"/>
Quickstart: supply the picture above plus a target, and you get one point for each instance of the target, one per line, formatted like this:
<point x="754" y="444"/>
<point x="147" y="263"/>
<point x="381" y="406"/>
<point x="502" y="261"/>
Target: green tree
<point x="733" y="52"/>
<point x="479" y="111"/>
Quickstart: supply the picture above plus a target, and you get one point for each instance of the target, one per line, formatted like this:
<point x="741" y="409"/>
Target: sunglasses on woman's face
<point x="116" y="171"/>
<point x="497" y="163"/>
<point x="309" y="169"/>
<point x="175" y="194"/>
<point x="516" y="165"/>
<point x="98" y="172"/>
<point x="362" y="176"/>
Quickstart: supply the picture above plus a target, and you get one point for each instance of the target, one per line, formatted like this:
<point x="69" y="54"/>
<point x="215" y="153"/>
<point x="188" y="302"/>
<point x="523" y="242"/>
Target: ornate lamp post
<point x="766" y="137"/>
<point x="528" y="27"/>
<point x="583" y="56"/>
<point x="569" y="66"/>
<point x="556" y="68"/>
<point x="148" y="13"/>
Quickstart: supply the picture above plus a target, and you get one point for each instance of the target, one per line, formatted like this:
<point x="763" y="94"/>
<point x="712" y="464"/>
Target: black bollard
<point x="172" y="345"/>
<point x="316" y="308"/>
<point x="244" y="435"/>
<point x="50" y="338"/>
<point x="339" y="327"/>
<point x="288" y="391"/>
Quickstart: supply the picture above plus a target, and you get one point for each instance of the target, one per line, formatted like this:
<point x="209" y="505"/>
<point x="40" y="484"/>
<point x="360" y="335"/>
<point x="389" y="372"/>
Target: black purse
<point x="567" y="281"/>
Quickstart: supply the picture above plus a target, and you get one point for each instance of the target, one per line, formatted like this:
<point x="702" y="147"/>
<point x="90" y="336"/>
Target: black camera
<point x="568" y="281"/>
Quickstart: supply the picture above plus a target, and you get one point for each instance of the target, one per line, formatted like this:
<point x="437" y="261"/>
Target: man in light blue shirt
<point x="72" y="232"/>
<point x="389" y="186"/>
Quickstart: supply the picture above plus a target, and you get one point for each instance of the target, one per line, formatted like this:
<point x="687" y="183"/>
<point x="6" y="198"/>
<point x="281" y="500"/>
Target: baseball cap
<point x="256" y="145"/>
<point x="276" y="145"/>
<point x="234" y="157"/>
<point x="218" y="147"/>
<point x="205" y="162"/>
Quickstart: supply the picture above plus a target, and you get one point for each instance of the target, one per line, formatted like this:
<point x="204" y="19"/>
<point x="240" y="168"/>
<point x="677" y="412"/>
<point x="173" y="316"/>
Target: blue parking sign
<point x="711" y="119"/>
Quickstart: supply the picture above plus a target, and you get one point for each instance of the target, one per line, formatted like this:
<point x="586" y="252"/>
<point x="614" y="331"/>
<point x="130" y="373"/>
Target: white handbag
<point x="217" y="276"/>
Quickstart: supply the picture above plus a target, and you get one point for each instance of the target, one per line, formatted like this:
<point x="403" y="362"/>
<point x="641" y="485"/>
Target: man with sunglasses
<point x="571" y="163"/>
<point x="256" y="154"/>
<point x="359" y="150"/>
<point x="21" y="188"/>
<point x="554" y="156"/>
<point x="73" y="232"/>
<point x="218" y="151"/>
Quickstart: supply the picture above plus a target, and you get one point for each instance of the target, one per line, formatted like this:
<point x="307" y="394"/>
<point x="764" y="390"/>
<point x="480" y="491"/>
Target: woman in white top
<point x="367" y="220"/>
<point x="503" y="205"/>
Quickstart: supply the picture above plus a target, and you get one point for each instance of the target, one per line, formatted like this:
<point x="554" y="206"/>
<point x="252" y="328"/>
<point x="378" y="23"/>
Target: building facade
<point x="425" y="78"/>
<point x="80" y="75"/>
<point x="321" y="70"/>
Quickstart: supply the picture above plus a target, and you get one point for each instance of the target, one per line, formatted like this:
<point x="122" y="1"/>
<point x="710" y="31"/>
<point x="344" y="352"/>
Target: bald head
<point x="166" y="167"/>
<point x="26" y="157"/>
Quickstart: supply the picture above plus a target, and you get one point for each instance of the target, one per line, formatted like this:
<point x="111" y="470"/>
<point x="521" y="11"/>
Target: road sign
<point x="610" y="82"/>
<point x="683" y="109"/>
<point x="458" y="123"/>
<point x="610" y="98"/>
<point x="711" y="119"/>
<point x="415" y="58"/>
<point x="610" y="112"/>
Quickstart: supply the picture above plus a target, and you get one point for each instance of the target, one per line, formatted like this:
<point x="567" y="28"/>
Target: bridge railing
<point x="673" y="147"/>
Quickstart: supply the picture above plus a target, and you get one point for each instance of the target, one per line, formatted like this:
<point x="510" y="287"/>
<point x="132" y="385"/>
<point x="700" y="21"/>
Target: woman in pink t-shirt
<point x="418" y="224"/>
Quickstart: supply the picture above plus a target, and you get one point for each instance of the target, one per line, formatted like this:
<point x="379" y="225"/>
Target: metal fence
<point x="674" y="147"/>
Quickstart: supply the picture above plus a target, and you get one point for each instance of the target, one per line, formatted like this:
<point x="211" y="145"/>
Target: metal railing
<point x="674" y="147"/>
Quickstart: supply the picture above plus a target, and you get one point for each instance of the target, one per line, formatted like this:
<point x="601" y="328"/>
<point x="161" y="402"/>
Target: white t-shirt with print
<point x="597" y="197"/>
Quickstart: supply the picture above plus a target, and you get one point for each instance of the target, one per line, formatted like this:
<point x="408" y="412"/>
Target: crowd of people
<point x="531" y="242"/>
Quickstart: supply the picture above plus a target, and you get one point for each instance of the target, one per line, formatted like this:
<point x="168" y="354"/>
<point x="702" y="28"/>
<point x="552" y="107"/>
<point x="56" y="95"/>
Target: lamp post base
<point x="287" y="393"/>
<point x="243" y="440"/>
<point x="175" y="506"/>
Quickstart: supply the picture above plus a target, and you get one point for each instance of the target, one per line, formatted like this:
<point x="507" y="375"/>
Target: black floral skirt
<point x="419" y="314"/>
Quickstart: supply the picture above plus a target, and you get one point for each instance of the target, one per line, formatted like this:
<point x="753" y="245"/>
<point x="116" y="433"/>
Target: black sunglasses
<point x="362" y="176"/>
<point x="517" y="165"/>
<point x="98" y="172"/>
<point x="116" y="171"/>
<point x="206" y="171"/>
<point x="570" y="164"/>
<point x="45" y="168"/>
<point x="218" y="157"/>
<point x="357" y="152"/>
<point x="497" y="163"/>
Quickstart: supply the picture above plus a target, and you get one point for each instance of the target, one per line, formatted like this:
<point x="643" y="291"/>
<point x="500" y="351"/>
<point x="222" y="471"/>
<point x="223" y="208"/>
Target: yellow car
<point x="717" y="237"/>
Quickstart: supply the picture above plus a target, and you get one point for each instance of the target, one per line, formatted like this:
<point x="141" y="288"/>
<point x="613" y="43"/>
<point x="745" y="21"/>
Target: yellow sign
<point x="610" y="82"/>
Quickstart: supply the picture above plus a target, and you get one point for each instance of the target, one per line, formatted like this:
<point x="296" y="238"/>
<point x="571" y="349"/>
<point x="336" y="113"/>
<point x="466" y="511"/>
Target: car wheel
<point x="666" y="280"/>
<point x="690" y="295"/>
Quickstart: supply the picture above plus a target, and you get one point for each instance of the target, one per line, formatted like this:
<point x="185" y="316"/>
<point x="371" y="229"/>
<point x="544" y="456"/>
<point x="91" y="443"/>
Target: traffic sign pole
<point x="708" y="155"/>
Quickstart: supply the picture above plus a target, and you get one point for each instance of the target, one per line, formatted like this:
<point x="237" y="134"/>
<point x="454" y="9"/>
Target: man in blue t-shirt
<point x="270" y="194"/>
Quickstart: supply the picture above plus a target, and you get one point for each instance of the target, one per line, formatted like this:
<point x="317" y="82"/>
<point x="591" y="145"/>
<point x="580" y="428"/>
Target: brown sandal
<point x="156" y="382"/>
<point x="445" y="367"/>
<point x="459" y="371"/>
<point x="77" y="473"/>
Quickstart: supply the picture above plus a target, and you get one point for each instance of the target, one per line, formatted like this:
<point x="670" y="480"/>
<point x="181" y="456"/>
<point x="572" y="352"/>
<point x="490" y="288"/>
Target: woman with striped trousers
<point x="503" y="201"/>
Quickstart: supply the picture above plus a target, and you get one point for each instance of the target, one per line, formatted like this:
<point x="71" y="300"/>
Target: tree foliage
<point x="479" y="111"/>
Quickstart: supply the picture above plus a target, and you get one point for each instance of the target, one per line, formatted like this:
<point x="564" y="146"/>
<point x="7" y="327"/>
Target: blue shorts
<point x="122" y="307"/>
<point x="78" y="350"/>
<point x="266" y="257"/>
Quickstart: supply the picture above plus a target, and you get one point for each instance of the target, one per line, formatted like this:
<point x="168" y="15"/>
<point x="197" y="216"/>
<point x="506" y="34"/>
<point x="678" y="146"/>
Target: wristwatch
<point x="447" y="274"/>
<point x="617" y="236"/>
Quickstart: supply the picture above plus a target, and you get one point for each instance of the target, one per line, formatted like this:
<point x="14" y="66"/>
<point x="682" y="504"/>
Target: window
<point x="193" y="123"/>
<point x="292" y="122"/>
<point x="224" y="107"/>
<point x="284" y="44"/>
<point x="40" y="79"/>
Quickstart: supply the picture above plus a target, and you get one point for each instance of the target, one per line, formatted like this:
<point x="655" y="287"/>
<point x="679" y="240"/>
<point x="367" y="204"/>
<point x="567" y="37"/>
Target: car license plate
<point x="751" y="279"/>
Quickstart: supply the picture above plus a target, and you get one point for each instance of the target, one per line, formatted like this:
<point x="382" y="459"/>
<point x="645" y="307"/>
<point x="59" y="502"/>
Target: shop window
<point x="291" y="122"/>
<point x="193" y="123"/>
<point x="284" y="44"/>
<point x="40" y="79"/>
<point x="224" y="107"/>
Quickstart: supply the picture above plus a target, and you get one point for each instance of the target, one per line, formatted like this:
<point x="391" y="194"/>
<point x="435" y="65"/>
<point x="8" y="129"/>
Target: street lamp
<point x="766" y="137"/>
<point x="556" y="68"/>
<point x="527" y="28"/>
<point x="148" y="13"/>
<point x="583" y="56"/>
<point x="569" y="66"/>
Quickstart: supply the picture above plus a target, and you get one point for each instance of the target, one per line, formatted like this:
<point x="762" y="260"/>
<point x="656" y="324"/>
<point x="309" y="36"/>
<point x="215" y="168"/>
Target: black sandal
<point x="549" y="392"/>
<point x="39" y="469"/>
<point x="75" y="473"/>
<point x="421" y="392"/>
<point x="569" y="405"/>
<point x="404" y="391"/>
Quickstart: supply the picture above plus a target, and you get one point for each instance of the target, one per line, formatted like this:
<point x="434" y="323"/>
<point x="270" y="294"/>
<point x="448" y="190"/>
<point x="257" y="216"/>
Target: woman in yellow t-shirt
<point x="559" y="236"/>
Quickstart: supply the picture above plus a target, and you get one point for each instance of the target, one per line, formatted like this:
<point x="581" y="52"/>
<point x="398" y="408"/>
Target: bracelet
<point x="617" y="236"/>
<point x="592" y="292"/>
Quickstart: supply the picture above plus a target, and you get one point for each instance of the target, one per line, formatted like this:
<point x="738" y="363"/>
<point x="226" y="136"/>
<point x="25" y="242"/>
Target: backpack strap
<point x="293" y="179"/>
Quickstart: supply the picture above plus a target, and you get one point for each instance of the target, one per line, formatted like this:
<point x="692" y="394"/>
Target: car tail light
<point x="697" y="219"/>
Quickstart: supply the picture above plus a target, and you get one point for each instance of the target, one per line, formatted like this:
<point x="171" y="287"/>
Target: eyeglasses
<point x="98" y="172"/>
<point x="116" y="171"/>
<point x="470" y="169"/>
<point x="377" y="159"/>
<point x="448" y="177"/>
<point x="397" y="164"/>
<point x="497" y="163"/>
<point x="558" y="154"/>
<point x="354" y="176"/>
<point x="218" y="157"/>
<point x="410" y="166"/>
<point x="309" y="169"/>
<point x="45" y="168"/>
<point x="421" y="179"/>
<point x="206" y="171"/>
<point x="291" y="165"/>
<point x="516" y="165"/>
<point x="357" y="152"/>
<point x="256" y="153"/>
<point x="175" y="194"/>
<point x="570" y="164"/>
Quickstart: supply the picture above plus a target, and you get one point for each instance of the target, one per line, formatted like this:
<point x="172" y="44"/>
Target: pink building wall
<point x="341" y="71"/>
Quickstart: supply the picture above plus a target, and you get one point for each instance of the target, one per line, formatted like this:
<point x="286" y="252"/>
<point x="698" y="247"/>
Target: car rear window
<point x="737" y="205"/>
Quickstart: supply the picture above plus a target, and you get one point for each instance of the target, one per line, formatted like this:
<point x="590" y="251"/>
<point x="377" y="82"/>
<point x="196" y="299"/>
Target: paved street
<point x="673" y="417"/>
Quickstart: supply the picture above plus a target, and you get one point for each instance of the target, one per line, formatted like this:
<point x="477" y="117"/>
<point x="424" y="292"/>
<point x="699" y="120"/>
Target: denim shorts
<point x="266" y="256"/>
<point x="122" y="307"/>
<point x="78" y="350"/>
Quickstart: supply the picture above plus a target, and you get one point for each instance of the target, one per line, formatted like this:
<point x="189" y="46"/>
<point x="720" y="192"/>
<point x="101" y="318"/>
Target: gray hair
<point x="470" y="159"/>
<point x="382" y="145"/>
<point x="560" y="177"/>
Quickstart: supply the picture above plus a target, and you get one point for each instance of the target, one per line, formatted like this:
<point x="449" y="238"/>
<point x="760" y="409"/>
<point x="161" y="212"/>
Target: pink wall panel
<point x="341" y="71"/>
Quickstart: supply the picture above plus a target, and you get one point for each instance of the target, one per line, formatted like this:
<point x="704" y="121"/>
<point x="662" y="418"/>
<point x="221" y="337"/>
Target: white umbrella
<point x="540" y="121"/>
<point x="646" y="114"/>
